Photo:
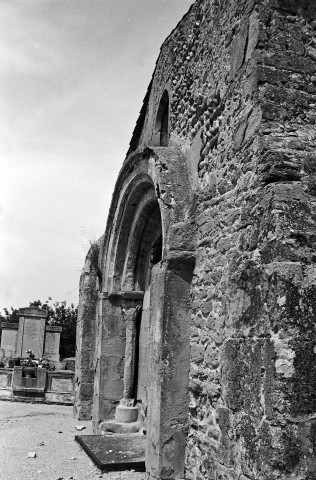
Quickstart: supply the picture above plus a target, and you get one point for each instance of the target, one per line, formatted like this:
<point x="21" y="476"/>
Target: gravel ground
<point x="49" y="431"/>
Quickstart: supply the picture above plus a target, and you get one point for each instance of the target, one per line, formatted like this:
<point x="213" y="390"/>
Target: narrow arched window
<point x="162" y="120"/>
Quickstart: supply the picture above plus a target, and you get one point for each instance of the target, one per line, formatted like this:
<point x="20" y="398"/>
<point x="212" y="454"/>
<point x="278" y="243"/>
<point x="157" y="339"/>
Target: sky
<point x="73" y="75"/>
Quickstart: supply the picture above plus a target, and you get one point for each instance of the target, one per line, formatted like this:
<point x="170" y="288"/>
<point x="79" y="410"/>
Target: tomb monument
<point x="31" y="333"/>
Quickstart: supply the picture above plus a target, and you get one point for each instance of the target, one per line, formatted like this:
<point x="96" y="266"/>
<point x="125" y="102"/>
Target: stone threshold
<point x="116" y="452"/>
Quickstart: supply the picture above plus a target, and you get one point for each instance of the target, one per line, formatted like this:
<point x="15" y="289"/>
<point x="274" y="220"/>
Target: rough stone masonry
<point x="212" y="233"/>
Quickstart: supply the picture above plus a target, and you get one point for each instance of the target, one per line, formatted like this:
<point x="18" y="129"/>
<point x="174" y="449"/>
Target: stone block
<point x="303" y="398"/>
<point x="52" y="341"/>
<point x="9" y="336"/>
<point x="29" y="388"/>
<point x="31" y="331"/>
<point x="6" y="377"/>
<point x="59" y="397"/>
<point x="247" y="369"/>
<point x="126" y="414"/>
<point x="70" y="364"/>
<point x="83" y="411"/>
<point x="59" y="384"/>
<point x="237" y="49"/>
<point x="87" y="376"/>
<point x="87" y="359"/>
<point x="113" y="389"/>
<point x="197" y="352"/>
<point x="86" y="391"/>
<point x="291" y="62"/>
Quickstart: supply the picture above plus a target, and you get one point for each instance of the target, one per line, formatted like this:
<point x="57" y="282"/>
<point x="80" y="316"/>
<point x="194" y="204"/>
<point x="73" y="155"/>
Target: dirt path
<point x="49" y="431"/>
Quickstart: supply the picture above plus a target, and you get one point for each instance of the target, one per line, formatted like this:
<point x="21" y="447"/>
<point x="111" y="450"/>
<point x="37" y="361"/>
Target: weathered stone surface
<point x="86" y="336"/>
<point x="9" y="332"/>
<point x="115" y="452"/>
<point x="52" y="341"/>
<point x="25" y="388"/>
<point x="31" y="332"/>
<point x="233" y="198"/>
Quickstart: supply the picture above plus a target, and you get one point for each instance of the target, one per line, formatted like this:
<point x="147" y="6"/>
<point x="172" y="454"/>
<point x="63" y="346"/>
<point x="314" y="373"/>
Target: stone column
<point x="116" y="308"/>
<point x="126" y="411"/>
<point x="130" y="352"/>
<point x="168" y="369"/>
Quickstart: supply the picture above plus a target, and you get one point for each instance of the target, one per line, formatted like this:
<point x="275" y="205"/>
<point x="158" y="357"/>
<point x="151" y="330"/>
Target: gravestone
<point x="31" y="331"/>
<point x="52" y="340"/>
<point x="116" y="451"/>
<point x="62" y="383"/>
<point x="29" y="388"/>
<point x="9" y="337"/>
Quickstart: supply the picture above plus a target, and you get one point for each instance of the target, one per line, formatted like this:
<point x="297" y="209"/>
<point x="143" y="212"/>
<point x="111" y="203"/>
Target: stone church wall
<point x="240" y="76"/>
<point x="86" y="336"/>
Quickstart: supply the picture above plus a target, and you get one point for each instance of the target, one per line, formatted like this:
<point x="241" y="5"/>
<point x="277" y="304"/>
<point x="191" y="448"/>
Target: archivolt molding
<point x="152" y="180"/>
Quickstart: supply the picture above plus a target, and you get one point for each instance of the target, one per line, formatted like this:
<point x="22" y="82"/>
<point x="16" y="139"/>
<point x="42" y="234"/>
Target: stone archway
<point x="147" y="261"/>
<point x="144" y="250"/>
<point x="139" y="247"/>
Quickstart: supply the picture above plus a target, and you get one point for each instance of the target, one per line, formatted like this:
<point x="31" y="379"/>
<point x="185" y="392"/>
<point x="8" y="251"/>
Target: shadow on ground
<point x="49" y="431"/>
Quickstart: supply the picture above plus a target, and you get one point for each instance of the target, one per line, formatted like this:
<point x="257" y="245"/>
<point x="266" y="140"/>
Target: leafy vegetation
<point x="41" y="363"/>
<point x="12" y="317"/>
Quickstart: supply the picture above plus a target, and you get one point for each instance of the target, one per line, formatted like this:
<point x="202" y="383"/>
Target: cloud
<point x="1" y="213"/>
<point x="73" y="77"/>
<point x="29" y="42"/>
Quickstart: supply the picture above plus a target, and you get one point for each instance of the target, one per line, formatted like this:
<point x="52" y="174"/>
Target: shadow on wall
<point x="162" y="121"/>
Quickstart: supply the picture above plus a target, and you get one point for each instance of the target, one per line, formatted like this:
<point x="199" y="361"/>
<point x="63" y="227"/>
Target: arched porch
<point x="143" y="344"/>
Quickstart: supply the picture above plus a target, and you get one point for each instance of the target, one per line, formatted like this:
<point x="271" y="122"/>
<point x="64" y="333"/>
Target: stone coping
<point x="53" y="328"/>
<point x="131" y="295"/>
<point x="22" y="367"/>
<point x="9" y="326"/>
<point x="55" y="373"/>
<point x="61" y="373"/>
<point x="18" y="388"/>
<point x="15" y="326"/>
<point x="32" y="312"/>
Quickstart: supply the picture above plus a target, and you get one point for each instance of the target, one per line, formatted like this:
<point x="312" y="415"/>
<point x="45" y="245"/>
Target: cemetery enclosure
<point x="31" y="333"/>
<point x="52" y="387"/>
<point x="33" y="383"/>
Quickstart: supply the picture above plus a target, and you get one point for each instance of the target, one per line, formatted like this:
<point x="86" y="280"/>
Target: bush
<point x="11" y="317"/>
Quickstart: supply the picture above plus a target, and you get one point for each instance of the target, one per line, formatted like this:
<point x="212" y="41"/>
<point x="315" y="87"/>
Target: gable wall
<point x="241" y="79"/>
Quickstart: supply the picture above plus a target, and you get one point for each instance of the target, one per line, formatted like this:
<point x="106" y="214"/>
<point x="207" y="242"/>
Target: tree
<point x="58" y="314"/>
<point x="11" y="317"/>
